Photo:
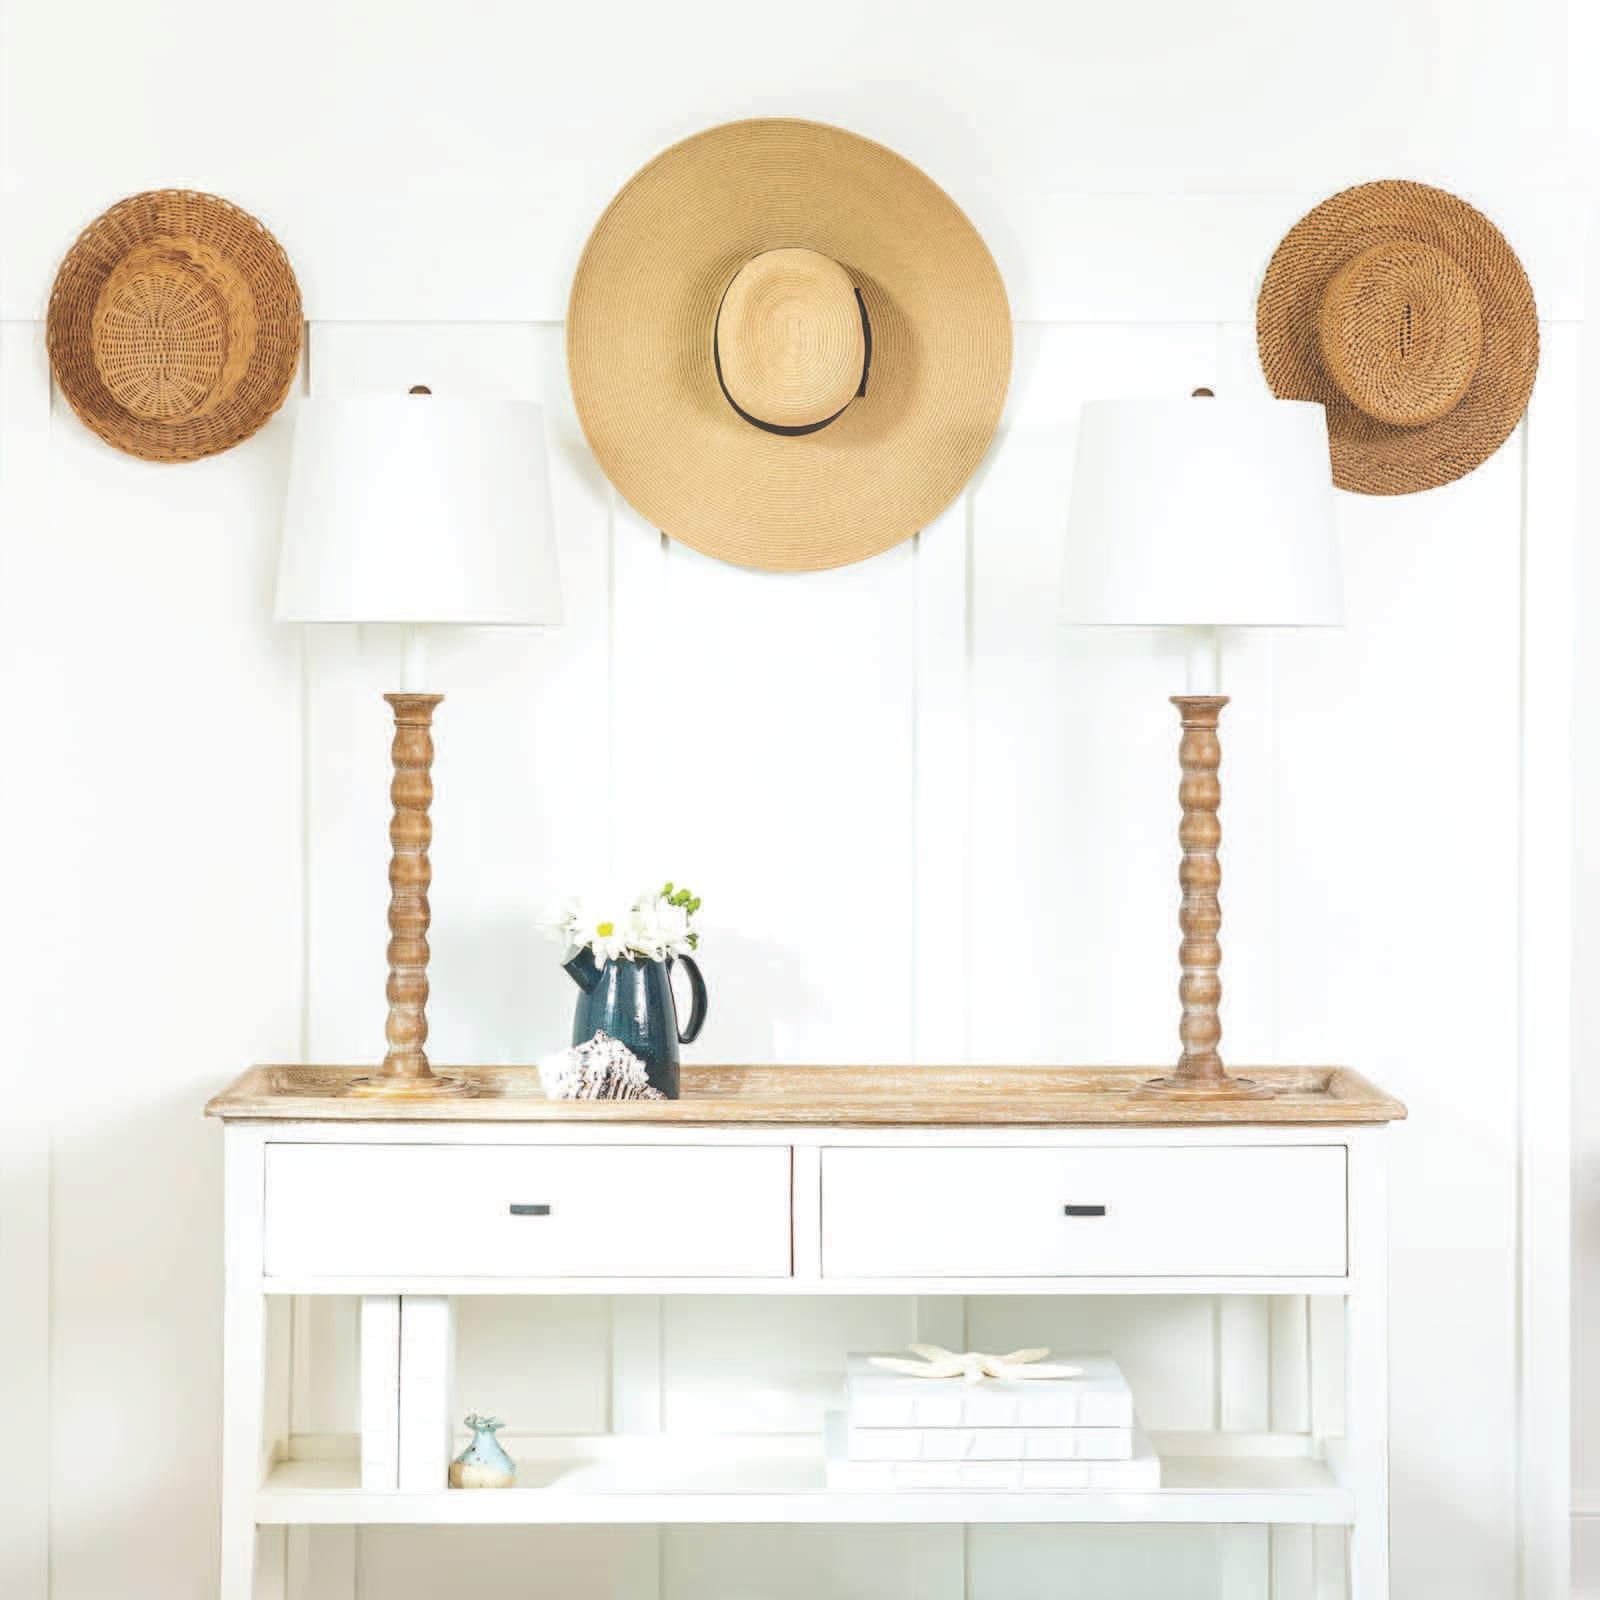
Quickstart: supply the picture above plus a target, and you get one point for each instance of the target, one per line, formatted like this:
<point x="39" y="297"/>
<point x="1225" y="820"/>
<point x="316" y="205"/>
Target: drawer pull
<point x="530" y="1211"/>
<point x="1083" y="1211"/>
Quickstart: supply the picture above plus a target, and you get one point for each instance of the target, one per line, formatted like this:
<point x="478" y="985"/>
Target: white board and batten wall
<point x="927" y="822"/>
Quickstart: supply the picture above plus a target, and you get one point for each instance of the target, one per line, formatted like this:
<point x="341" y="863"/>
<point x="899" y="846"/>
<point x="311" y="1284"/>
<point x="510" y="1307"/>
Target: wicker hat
<point x="1405" y="312"/>
<point x="789" y="348"/>
<point x="175" y="325"/>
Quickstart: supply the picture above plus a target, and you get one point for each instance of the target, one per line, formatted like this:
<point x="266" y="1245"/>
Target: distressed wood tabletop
<point x="834" y="1096"/>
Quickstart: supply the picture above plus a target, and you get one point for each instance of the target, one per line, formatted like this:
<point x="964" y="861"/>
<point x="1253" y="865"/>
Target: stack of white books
<point x="903" y="1432"/>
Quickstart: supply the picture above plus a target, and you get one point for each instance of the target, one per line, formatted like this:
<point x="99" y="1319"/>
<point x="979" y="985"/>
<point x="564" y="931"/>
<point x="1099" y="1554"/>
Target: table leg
<point x="244" y="1363"/>
<point x="243" y="1354"/>
<point x="1367" y="1370"/>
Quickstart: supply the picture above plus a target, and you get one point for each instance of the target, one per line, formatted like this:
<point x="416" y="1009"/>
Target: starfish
<point x="973" y="1366"/>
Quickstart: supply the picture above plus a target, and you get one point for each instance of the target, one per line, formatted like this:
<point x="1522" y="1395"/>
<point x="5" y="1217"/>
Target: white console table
<point x="922" y="1182"/>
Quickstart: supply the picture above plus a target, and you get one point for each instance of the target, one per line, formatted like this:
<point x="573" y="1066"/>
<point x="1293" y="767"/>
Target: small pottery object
<point x="631" y="1000"/>
<point x="484" y="1463"/>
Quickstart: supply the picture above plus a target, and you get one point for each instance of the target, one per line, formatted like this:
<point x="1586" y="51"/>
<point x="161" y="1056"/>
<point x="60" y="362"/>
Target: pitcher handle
<point x="697" y="1004"/>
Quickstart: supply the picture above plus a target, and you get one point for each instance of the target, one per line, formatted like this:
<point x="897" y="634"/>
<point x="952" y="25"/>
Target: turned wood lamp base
<point x="402" y="1086"/>
<point x="1176" y="1087"/>
<point x="1200" y="1074"/>
<point x="405" y="1074"/>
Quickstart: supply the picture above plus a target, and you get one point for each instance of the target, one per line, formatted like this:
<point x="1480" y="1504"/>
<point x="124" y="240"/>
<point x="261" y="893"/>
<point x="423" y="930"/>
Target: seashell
<point x="973" y="1366"/>
<point x="602" y="1069"/>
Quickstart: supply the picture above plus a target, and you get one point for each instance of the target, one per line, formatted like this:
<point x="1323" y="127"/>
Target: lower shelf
<point x="664" y="1478"/>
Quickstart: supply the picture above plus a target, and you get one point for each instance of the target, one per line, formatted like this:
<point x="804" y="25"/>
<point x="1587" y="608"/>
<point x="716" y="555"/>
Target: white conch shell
<point x="602" y="1068"/>
<point x="973" y="1366"/>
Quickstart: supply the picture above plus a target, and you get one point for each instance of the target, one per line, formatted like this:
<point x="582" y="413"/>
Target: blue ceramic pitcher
<point x="633" y="1001"/>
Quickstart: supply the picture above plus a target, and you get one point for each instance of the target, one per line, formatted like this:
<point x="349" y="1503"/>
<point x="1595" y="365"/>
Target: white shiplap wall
<point x="196" y="810"/>
<point x="990" y="798"/>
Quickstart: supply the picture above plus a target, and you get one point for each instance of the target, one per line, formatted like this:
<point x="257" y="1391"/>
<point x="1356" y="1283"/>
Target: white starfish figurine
<point x="973" y="1366"/>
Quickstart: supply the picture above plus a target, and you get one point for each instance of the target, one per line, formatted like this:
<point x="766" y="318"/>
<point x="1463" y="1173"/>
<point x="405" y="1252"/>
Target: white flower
<point x="658" y="929"/>
<point x="672" y="929"/>
<point x="610" y="941"/>
<point x="647" y="928"/>
<point x="600" y="925"/>
<point x="555" y="919"/>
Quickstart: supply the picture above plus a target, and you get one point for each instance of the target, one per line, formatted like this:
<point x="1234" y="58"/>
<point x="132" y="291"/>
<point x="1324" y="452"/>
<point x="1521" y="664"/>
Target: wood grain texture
<point x="827" y="1097"/>
<point x="1200" y="1073"/>
<point x="405" y="1067"/>
<point x="410" y="874"/>
<point x="1200" y="878"/>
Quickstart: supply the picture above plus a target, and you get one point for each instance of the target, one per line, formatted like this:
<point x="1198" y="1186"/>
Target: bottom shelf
<point x="666" y="1478"/>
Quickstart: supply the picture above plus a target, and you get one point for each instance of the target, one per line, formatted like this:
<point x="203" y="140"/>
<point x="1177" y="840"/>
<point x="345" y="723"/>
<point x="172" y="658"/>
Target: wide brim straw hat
<point x="1407" y="314"/>
<point x="175" y="325"/>
<point x="788" y="347"/>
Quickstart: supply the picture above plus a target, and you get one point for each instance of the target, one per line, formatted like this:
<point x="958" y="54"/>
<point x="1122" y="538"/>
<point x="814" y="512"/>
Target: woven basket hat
<point x="1406" y="313"/>
<point x="175" y="325"/>
<point x="789" y="348"/>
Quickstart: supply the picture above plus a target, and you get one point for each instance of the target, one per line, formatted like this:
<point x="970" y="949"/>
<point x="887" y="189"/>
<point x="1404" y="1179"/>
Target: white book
<point x="1100" y="1398"/>
<point x="427" y="1357"/>
<point x="380" y="1392"/>
<point x="1140" y="1471"/>
<point x="988" y="1444"/>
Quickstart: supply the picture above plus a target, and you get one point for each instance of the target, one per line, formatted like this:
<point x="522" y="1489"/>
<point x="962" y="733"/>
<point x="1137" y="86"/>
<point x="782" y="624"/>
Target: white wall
<point x="195" y="805"/>
<point x="1583" y="64"/>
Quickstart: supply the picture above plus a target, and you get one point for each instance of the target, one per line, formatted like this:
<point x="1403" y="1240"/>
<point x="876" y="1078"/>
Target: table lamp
<point x="420" y="510"/>
<point x="1201" y="514"/>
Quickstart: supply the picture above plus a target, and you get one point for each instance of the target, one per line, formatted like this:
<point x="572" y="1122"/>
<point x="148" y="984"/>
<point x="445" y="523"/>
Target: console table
<point x="796" y="1180"/>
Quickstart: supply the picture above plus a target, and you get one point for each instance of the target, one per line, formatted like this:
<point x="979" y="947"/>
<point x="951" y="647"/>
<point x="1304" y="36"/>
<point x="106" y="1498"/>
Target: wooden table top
<point x="841" y="1096"/>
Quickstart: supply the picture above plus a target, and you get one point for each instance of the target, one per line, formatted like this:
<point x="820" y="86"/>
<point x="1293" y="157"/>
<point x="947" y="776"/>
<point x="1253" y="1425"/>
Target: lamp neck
<point x="1202" y="651"/>
<point x="413" y="659"/>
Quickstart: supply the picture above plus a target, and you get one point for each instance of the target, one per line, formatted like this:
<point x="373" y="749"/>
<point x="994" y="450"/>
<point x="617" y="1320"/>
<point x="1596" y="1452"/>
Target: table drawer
<point x="582" y="1211"/>
<point x="1145" y="1211"/>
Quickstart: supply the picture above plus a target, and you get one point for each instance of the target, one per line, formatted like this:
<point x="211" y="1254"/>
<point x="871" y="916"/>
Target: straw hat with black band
<point x="175" y="325"/>
<point x="789" y="348"/>
<point x="1405" y="312"/>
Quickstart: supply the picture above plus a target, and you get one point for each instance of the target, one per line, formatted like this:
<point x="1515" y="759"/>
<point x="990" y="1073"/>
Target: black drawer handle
<point x="1083" y="1211"/>
<point x="530" y="1211"/>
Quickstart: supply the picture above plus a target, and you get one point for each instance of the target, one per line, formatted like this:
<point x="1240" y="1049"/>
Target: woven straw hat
<point x="1406" y="313"/>
<point x="175" y="325"/>
<point x="789" y="348"/>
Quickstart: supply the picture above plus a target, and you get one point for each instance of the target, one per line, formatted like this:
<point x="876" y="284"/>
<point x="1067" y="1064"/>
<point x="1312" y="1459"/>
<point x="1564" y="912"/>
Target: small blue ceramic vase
<point x="484" y="1463"/>
<point x="633" y="1002"/>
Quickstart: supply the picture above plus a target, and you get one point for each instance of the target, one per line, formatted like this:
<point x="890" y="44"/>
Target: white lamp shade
<point x="1202" y="513"/>
<point x="418" y="509"/>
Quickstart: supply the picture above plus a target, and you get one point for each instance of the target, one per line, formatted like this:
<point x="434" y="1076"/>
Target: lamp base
<point x="1177" y="1087"/>
<point x="1199" y="1075"/>
<point x="405" y="1074"/>
<point x="394" y="1086"/>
